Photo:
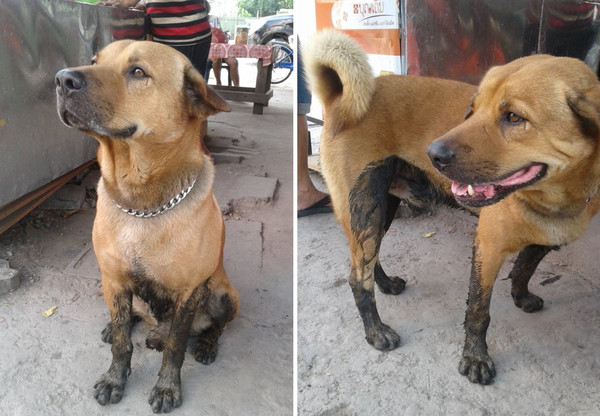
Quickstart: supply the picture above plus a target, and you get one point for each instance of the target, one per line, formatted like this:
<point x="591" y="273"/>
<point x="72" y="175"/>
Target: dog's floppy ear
<point x="586" y="107"/>
<point x="203" y="100"/>
<point x="469" y="110"/>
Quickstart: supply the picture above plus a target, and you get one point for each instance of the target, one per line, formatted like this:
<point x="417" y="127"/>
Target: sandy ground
<point x="49" y="365"/>
<point x="548" y="363"/>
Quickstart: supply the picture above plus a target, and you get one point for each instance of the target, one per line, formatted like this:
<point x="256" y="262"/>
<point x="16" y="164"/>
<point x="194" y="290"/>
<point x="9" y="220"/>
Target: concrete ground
<point x="548" y="363"/>
<point x="48" y="365"/>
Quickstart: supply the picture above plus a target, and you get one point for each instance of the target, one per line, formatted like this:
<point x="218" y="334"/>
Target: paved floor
<point x="49" y="365"/>
<point x="548" y="363"/>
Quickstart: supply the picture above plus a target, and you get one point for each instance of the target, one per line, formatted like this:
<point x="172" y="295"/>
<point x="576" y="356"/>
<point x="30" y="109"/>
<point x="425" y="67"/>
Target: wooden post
<point x="263" y="84"/>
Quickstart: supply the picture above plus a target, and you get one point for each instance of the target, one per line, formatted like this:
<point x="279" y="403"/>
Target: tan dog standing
<point x="158" y="232"/>
<point x="527" y="158"/>
<point x="529" y="153"/>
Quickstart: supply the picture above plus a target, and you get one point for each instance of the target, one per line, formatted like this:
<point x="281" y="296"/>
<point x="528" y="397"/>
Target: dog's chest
<point x="561" y="231"/>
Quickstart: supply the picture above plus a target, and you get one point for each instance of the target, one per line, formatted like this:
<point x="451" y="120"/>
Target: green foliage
<point x="263" y="7"/>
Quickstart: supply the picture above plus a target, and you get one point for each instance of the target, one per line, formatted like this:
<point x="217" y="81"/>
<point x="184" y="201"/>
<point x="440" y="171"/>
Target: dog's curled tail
<point x="340" y="75"/>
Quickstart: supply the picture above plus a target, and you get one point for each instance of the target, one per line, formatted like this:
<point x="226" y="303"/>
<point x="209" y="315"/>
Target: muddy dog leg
<point x="221" y="307"/>
<point x="107" y="332"/>
<point x="166" y="394"/>
<point x="526" y="263"/>
<point x="206" y="346"/>
<point x="368" y="203"/>
<point x="110" y="386"/>
<point x="391" y="285"/>
<point x="476" y="363"/>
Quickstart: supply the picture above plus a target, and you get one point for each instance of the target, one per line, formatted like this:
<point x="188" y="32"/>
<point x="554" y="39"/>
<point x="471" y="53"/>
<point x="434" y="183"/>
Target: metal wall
<point x="461" y="39"/>
<point x="38" y="38"/>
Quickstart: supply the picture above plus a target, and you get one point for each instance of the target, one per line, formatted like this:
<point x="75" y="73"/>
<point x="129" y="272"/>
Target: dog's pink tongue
<point x="521" y="176"/>
<point x="458" y="188"/>
<point x="487" y="190"/>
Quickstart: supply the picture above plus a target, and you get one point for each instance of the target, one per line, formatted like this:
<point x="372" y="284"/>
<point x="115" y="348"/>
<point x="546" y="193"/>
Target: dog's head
<point x="533" y="121"/>
<point x="135" y="89"/>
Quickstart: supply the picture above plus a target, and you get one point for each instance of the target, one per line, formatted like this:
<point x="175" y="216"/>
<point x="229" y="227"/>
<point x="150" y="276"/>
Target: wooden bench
<point x="262" y="92"/>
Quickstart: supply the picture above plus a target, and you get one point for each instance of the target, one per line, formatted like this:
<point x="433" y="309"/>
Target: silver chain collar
<point x="166" y="207"/>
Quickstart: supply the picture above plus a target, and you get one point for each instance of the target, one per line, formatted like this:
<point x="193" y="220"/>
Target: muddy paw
<point x="392" y="285"/>
<point x="107" y="333"/>
<point x="154" y="341"/>
<point x="477" y="370"/>
<point x="383" y="338"/>
<point x="108" y="390"/>
<point x="165" y="399"/>
<point x="205" y="350"/>
<point x="530" y="303"/>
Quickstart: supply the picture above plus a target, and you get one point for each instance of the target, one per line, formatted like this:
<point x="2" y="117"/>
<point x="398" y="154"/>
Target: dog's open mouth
<point x="479" y="195"/>
<point x="66" y="118"/>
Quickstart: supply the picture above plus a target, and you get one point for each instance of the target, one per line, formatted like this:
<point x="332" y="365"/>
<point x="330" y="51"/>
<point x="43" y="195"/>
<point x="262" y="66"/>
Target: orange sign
<point x="373" y="24"/>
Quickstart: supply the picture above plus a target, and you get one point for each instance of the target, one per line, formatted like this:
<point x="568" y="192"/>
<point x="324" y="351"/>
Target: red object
<point x="218" y="36"/>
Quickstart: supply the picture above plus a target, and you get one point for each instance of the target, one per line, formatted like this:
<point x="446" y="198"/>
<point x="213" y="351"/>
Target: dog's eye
<point x="138" y="72"/>
<point x="513" y="118"/>
<point x="93" y="61"/>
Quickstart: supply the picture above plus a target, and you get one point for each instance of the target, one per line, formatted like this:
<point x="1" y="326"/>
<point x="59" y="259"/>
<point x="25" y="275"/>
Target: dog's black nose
<point x="68" y="80"/>
<point x="440" y="154"/>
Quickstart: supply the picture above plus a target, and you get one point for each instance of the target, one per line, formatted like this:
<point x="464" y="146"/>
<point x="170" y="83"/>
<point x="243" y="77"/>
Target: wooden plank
<point x="12" y="212"/>
<point x="247" y="96"/>
<point x="224" y="88"/>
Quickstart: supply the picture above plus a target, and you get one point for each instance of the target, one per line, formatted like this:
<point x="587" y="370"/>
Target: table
<point x="262" y="92"/>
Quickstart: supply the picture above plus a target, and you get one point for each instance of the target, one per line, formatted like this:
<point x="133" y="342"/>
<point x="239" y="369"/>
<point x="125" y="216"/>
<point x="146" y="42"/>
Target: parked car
<point x="268" y="28"/>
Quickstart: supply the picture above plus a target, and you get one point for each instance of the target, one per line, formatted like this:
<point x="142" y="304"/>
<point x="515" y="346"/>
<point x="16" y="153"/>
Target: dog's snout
<point x="68" y="80"/>
<point x="440" y="154"/>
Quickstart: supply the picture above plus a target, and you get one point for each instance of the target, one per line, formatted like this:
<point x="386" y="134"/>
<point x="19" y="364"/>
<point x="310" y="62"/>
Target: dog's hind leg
<point x="140" y="311"/>
<point x="391" y="285"/>
<point x="166" y="394"/>
<point x="368" y="204"/>
<point x="525" y="265"/>
<point x="221" y="307"/>
<point x="107" y="332"/>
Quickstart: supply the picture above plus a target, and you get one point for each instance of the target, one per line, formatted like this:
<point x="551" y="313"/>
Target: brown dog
<point x="529" y="146"/>
<point x="373" y="154"/>
<point x="529" y="153"/>
<point x="158" y="232"/>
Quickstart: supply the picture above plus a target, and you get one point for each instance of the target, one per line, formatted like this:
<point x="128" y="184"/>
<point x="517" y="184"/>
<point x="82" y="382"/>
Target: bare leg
<point x="307" y="193"/>
<point x="216" y="65"/>
<point x="234" y="71"/>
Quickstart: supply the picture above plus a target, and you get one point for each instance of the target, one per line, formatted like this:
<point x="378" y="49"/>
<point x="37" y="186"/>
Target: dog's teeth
<point x="470" y="190"/>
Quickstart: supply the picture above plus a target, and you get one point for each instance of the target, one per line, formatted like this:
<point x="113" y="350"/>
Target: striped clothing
<point x="178" y="23"/>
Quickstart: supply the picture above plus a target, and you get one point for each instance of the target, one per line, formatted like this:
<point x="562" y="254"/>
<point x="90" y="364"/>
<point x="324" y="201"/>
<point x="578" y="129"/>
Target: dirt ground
<point x="49" y="365"/>
<point x="548" y="363"/>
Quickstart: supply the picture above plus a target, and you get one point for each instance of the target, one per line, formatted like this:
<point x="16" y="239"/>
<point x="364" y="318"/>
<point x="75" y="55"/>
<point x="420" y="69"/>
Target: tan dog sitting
<point x="158" y="232"/>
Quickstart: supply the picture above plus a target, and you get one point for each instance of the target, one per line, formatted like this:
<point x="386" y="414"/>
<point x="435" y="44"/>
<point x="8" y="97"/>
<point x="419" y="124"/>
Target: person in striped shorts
<point x="182" y="24"/>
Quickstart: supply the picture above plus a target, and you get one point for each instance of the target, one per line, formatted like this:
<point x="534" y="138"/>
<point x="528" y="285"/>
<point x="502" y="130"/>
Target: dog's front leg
<point x="476" y="363"/>
<point x="166" y="394"/>
<point x="525" y="265"/>
<point x="110" y="386"/>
